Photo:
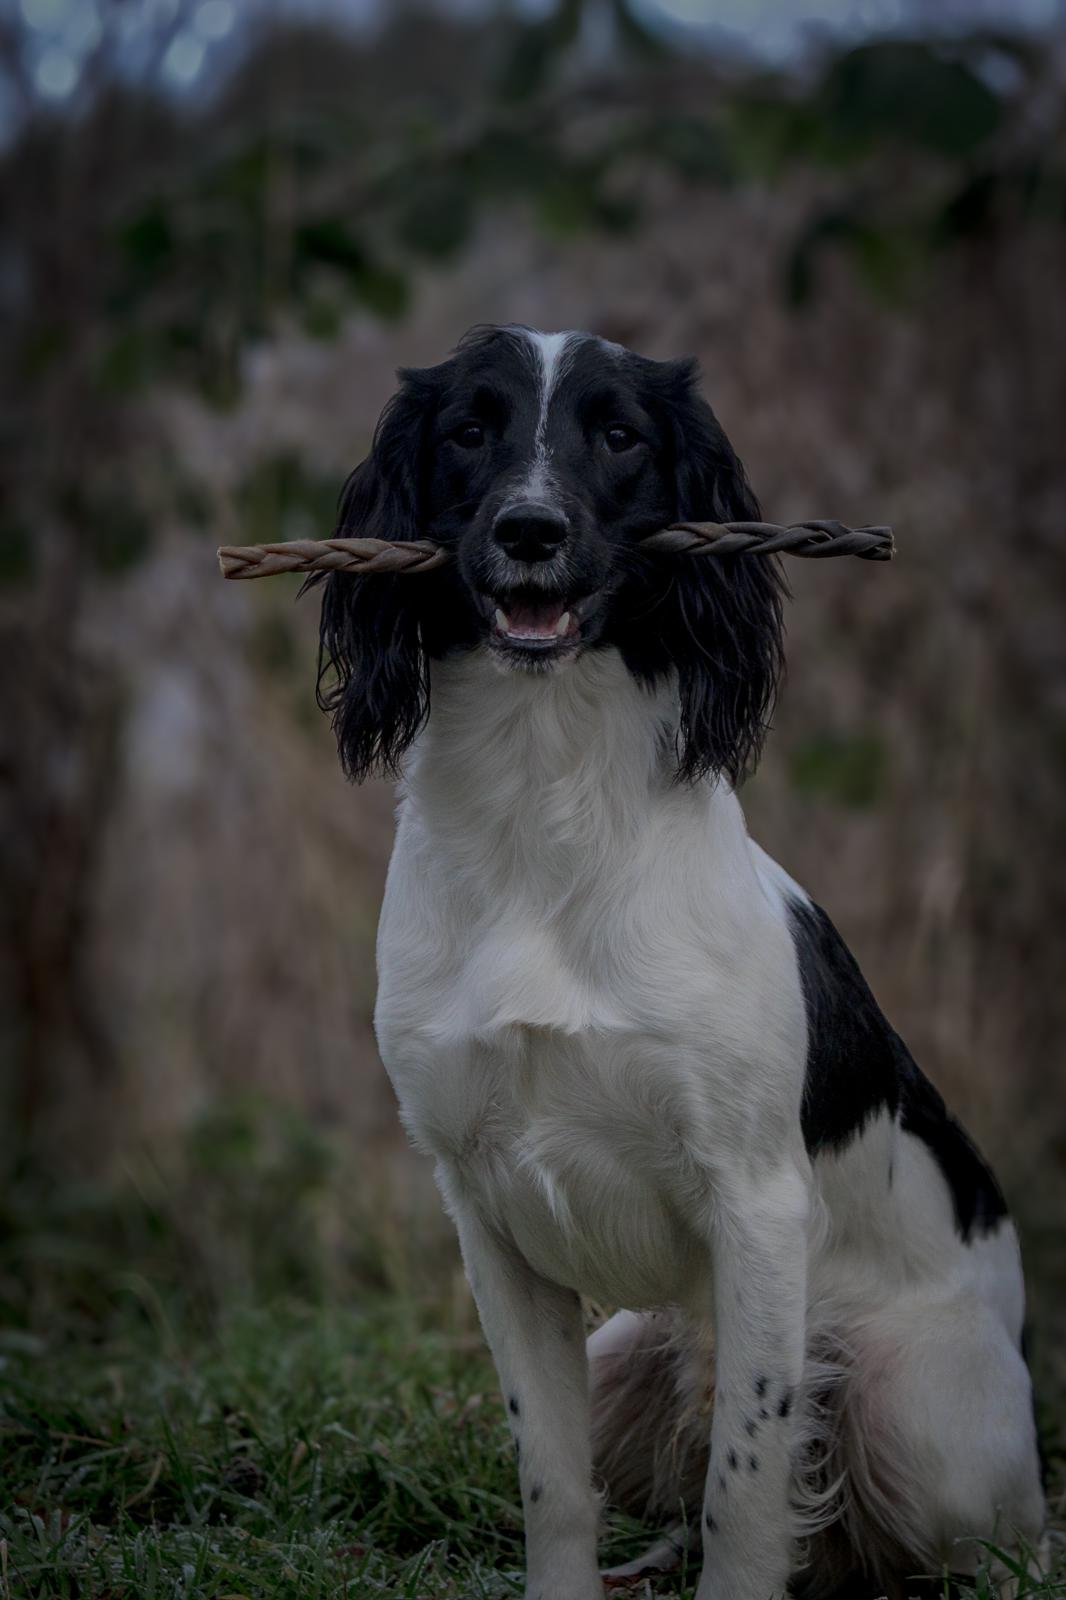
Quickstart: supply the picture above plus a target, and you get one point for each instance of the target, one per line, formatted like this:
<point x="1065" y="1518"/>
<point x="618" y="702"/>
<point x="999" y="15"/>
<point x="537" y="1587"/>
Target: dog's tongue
<point x="533" y="622"/>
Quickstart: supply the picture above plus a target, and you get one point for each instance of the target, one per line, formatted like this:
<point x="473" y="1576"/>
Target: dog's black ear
<point x="372" y="673"/>
<point x="723" y="624"/>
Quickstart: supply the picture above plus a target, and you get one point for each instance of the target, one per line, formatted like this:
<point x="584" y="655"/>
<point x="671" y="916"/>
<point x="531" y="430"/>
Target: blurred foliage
<point x="851" y="769"/>
<point x="282" y="498"/>
<point x="154" y="240"/>
<point x="156" y="247"/>
<point x="253" y="1206"/>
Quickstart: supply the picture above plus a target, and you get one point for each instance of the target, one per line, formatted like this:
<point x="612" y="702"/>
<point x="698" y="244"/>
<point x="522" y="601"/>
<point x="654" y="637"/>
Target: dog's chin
<point x="534" y="632"/>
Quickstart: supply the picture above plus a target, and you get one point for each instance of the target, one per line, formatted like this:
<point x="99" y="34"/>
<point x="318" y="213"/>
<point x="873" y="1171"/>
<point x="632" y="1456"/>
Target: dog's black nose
<point x="530" y="532"/>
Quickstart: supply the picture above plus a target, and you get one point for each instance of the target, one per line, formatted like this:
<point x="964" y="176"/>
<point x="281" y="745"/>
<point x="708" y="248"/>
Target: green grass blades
<point x="290" y="1453"/>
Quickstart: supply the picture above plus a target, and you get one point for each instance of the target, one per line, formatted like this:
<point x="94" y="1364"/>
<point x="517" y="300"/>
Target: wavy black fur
<point x="719" y="620"/>
<point x="372" y="671"/>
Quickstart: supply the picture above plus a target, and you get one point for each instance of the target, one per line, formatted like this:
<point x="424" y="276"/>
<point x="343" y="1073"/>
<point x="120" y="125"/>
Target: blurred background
<point x="222" y="226"/>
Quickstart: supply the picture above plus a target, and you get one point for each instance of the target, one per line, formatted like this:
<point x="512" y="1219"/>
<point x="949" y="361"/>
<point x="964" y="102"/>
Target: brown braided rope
<point x="330" y="555"/>
<point x="811" y="539"/>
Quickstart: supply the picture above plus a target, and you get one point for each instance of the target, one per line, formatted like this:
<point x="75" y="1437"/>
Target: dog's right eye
<point x="469" y="436"/>
<point x="619" y="437"/>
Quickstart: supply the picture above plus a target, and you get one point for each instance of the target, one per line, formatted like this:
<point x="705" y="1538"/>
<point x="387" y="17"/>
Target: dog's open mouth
<point x="534" y="624"/>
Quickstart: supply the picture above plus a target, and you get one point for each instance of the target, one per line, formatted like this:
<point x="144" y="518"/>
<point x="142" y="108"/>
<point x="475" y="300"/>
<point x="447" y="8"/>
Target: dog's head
<point x="540" y="461"/>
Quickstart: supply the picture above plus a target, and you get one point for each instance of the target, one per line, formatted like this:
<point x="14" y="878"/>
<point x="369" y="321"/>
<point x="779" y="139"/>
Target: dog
<point x="645" y="1064"/>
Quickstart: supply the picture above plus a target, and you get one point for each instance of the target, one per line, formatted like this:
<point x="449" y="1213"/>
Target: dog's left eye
<point x="469" y="435"/>
<point x="618" y="437"/>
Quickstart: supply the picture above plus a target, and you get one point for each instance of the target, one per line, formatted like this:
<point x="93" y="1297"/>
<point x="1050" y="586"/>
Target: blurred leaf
<point x="507" y="160"/>
<point x="970" y="209"/>
<point x="899" y="89"/>
<point x="246" y="176"/>
<point x="281" y="499"/>
<point x="225" y="1139"/>
<point x="799" y="267"/>
<point x="129" y="361"/>
<point x="322" y="318"/>
<point x="16" y="554"/>
<point x="849" y="769"/>
<point x="765" y="131"/>
<point x="113" y="525"/>
<point x="192" y="503"/>
<point x="616" y="213"/>
<point x="635" y="37"/>
<point x="271" y="645"/>
<point x="328" y="240"/>
<point x="528" y="64"/>
<point x="148" y="241"/>
<point x="182" y="336"/>
<point x="692" y="146"/>
<point x="571" y="201"/>
<point x="437" y="216"/>
<point x="42" y="345"/>
<point x="382" y="290"/>
<point x="118" y="539"/>
<point x="219" y="383"/>
<point x="537" y="49"/>
<point x="886" y="256"/>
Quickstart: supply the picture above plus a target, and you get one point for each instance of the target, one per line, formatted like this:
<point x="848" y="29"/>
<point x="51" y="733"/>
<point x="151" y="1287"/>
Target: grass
<point x="311" y="1454"/>
<point x="290" y="1454"/>
<point x="204" y="1398"/>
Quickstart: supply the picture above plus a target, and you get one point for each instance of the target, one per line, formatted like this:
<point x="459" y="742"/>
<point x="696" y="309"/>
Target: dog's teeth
<point x="501" y="621"/>
<point x="562" y="624"/>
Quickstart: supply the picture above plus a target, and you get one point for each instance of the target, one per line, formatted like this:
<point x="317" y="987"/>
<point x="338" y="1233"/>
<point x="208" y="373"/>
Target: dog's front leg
<point x="759" y="1248"/>
<point x="535" y="1332"/>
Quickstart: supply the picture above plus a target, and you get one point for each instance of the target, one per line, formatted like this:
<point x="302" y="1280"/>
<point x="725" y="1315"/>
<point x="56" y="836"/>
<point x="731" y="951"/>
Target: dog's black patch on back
<point x="853" y="1056"/>
<point x="977" y="1197"/>
<point x="857" y="1066"/>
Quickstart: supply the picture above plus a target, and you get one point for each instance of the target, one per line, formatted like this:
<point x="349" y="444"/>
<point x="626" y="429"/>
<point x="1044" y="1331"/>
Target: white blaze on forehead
<point x="550" y="352"/>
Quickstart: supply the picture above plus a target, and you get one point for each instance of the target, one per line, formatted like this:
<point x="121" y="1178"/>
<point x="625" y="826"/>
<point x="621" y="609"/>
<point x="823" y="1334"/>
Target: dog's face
<point x="541" y="461"/>
<point x="545" y="459"/>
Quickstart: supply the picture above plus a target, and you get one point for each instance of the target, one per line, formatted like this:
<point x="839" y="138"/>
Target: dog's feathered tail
<point x="652" y="1380"/>
<point x="652" y="1384"/>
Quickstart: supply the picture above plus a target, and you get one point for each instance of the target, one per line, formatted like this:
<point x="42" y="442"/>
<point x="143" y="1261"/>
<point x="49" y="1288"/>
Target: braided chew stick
<point x="812" y="539"/>
<point x="330" y="555"/>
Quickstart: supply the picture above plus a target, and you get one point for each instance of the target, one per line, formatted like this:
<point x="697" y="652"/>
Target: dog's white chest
<point x="564" y="1096"/>
<point x="567" y="1145"/>
<point x="580" y="1001"/>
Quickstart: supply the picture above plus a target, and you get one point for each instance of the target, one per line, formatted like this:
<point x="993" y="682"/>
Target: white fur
<point x="549" y="353"/>
<point x="591" y="1010"/>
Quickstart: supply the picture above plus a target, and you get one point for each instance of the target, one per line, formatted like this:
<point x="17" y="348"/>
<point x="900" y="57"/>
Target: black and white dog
<point x="647" y="1068"/>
